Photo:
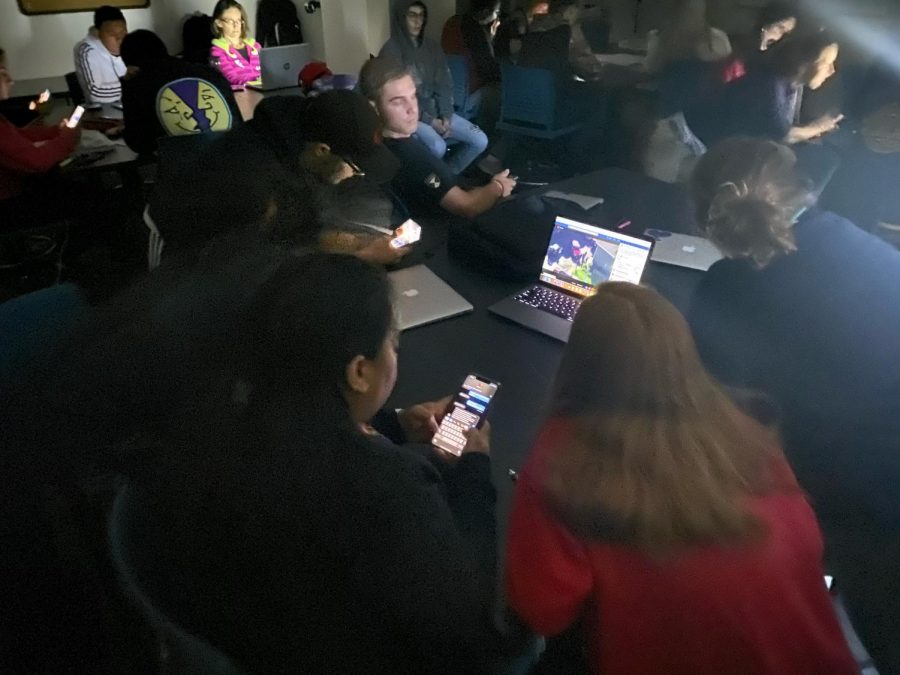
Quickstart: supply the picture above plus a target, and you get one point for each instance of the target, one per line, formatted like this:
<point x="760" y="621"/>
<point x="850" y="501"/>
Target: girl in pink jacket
<point x="233" y="51"/>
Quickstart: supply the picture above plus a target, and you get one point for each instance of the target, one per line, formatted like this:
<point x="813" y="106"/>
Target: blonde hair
<point x="661" y="458"/>
<point x="748" y="194"/>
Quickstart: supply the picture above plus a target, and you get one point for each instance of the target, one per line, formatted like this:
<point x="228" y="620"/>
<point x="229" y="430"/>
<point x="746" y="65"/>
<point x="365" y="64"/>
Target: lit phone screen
<point x="467" y="411"/>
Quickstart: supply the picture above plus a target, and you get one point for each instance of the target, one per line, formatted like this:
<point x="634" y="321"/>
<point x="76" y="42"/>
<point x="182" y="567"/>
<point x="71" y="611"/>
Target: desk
<point x="31" y="88"/>
<point x="434" y="359"/>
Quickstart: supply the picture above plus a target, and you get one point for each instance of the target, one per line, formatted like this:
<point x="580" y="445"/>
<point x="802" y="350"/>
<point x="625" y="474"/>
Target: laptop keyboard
<point x="551" y="301"/>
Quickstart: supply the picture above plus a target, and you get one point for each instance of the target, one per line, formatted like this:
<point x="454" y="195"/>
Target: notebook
<point x="279" y="67"/>
<point x="579" y="256"/>
<point x="683" y="250"/>
<point x="423" y="298"/>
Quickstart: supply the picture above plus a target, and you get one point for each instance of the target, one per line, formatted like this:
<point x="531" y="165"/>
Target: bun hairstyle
<point x="748" y="195"/>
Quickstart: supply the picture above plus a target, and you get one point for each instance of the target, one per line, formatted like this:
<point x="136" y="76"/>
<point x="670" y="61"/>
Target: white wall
<point x="342" y="32"/>
<point x="41" y="46"/>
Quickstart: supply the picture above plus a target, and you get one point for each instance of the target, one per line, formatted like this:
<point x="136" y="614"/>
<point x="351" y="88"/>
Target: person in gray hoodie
<point x="439" y="127"/>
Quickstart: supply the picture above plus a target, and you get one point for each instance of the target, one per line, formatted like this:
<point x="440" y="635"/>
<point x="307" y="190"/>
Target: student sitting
<point x="233" y="51"/>
<point x="424" y="183"/>
<point x="804" y="309"/>
<point x="688" y="55"/>
<point x="438" y="124"/>
<point x="304" y="540"/>
<point x="25" y="155"/>
<point x="766" y="101"/>
<point x="471" y="35"/>
<point x="305" y="146"/>
<point x="98" y="65"/>
<point x="660" y="520"/>
<point x="166" y="96"/>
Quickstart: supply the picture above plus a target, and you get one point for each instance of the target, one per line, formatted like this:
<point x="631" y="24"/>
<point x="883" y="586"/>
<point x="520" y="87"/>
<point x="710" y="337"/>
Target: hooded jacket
<point x="424" y="57"/>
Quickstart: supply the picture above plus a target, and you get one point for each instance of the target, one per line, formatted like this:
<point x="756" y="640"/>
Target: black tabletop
<point x="434" y="359"/>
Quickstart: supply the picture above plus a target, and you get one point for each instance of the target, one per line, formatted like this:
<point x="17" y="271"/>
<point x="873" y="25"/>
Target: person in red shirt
<point x="25" y="153"/>
<point x="660" y="518"/>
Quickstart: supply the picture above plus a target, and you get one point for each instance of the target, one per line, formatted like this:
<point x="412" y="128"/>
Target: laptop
<point x="279" y="67"/>
<point x="579" y="256"/>
<point x="683" y="250"/>
<point x="423" y="298"/>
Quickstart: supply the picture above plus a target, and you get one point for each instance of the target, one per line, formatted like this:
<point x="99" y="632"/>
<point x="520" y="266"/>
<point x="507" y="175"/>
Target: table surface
<point x="434" y="359"/>
<point x="31" y="88"/>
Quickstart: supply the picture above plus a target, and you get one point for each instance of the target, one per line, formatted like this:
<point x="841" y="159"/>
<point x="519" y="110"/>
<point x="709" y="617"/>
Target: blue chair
<point x="35" y="324"/>
<point x="459" y="72"/>
<point x="133" y="536"/>
<point x="533" y="104"/>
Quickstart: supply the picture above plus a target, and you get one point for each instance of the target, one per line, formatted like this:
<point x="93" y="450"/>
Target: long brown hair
<point x="660" y="458"/>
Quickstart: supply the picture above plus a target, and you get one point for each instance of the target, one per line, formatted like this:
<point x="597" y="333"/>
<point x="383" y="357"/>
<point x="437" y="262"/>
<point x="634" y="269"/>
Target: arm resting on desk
<point x="19" y="153"/>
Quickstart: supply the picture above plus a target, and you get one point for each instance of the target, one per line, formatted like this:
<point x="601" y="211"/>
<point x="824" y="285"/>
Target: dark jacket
<point x="819" y="331"/>
<point x="761" y="104"/>
<point x="140" y="93"/>
<point x="424" y="57"/>
<point x="337" y="556"/>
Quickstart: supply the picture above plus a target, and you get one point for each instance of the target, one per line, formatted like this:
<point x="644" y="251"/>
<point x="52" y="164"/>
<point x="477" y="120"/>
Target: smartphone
<point x="466" y="411"/>
<point x="75" y="117"/>
<point x="408" y="233"/>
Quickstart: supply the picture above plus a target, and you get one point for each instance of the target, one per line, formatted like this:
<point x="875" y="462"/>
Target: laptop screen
<point x="581" y="256"/>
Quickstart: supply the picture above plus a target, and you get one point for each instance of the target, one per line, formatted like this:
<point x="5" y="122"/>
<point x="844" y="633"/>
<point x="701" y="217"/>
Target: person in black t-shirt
<point x="424" y="183"/>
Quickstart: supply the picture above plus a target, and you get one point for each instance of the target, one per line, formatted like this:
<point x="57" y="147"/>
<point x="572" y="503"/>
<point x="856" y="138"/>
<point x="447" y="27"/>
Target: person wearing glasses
<point x="325" y="156"/>
<point x="439" y="127"/>
<point x="233" y="51"/>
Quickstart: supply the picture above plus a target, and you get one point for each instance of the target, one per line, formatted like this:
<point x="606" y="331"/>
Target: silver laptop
<point x="579" y="256"/>
<point x="280" y="66"/>
<point x="422" y="297"/>
<point x="683" y="250"/>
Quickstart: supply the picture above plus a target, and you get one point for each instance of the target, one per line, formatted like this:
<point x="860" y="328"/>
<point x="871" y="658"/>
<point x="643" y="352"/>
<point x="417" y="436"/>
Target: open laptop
<point x="579" y="256"/>
<point x="279" y="67"/>
<point x="683" y="250"/>
<point x="422" y="297"/>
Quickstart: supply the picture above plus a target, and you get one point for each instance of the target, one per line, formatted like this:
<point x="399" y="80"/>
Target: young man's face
<point x="111" y="34"/>
<point x="398" y="107"/>
<point x="415" y="19"/>
<point x="6" y="80"/>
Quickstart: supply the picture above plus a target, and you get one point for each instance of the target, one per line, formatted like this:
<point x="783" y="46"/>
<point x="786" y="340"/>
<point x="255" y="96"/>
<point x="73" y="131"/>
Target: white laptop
<point x="579" y="256"/>
<point x="683" y="250"/>
<point x="280" y="66"/>
<point x="422" y="297"/>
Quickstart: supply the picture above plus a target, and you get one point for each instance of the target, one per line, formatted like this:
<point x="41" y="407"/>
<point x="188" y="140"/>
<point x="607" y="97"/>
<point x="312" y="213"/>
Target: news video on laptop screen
<point x="581" y="256"/>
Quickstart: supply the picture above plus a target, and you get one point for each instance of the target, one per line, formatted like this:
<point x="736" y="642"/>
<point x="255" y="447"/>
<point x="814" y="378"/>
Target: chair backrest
<point x="547" y="49"/>
<point x="459" y="72"/>
<point x="75" y="91"/>
<point x="131" y="532"/>
<point x="529" y="97"/>
<point x="33" y="325"/>
<point x="192" y="105"/>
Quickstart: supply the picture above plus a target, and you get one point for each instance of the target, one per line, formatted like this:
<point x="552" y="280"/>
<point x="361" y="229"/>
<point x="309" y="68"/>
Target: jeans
<point x="467" y="141"/>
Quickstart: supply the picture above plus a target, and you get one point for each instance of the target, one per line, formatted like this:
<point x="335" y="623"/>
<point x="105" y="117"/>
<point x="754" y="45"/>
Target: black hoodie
<point x="425" y="59"/>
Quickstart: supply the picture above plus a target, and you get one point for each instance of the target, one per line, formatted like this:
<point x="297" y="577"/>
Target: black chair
<point x="133" y="537"/>
<point x="76" y="93"/>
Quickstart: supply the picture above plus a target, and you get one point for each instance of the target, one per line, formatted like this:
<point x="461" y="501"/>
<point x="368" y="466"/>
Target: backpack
<point x="277" y="23"/>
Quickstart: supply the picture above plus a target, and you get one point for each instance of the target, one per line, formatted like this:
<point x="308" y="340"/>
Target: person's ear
<point x="357" y="374"/>
<point x="320" y="149"/>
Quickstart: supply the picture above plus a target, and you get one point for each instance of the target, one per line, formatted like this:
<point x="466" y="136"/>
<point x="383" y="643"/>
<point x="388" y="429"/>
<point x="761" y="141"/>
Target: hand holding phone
<point x="408" y="233"/>
<point x="40" y="100"/>
<point x="75" y="117"/>
<point x="465" y="415"/>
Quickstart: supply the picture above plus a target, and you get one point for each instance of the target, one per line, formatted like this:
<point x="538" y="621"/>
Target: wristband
<point x="502" y="189"/>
